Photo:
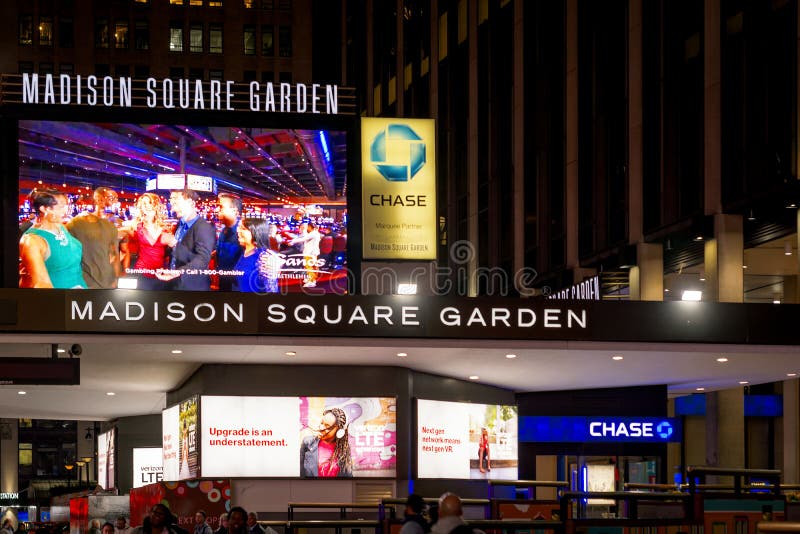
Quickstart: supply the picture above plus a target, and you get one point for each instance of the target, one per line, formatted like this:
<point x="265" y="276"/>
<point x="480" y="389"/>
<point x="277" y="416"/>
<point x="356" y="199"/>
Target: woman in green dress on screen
<point x="49" y="255"/>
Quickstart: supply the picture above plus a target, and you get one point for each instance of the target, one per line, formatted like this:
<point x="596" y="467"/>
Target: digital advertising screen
<point x="106" y="458"/>
<point x="179" y="441"/>
<point x="466" y="441"/>
<point x="173" y="207"/>
<point x="308" y="437"/>
<point x="147" y="466"/>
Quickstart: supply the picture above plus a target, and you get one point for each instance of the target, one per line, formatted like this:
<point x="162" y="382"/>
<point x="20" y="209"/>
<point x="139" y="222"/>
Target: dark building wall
<point x="133" y="432"/>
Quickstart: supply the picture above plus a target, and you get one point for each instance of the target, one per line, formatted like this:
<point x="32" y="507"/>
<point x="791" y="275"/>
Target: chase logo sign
<point x="600" y="429"/>
<point x="405" y="145"/>
<point x="398" y="189"/>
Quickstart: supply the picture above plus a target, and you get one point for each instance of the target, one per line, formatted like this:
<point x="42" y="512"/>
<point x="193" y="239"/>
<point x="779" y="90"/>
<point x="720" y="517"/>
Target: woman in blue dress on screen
<point x="259" y="266"/>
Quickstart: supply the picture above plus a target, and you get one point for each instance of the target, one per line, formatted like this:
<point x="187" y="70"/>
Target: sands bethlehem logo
<point x="398" y="153"/>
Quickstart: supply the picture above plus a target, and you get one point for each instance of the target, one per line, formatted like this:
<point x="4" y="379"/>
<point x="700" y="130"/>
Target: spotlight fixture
<point x="290" y="353"/>
<point x="22" y="392"/>
<point x="617" y="358"/>
<point x="743" y="382"/>
<point x="751" y="217"/>
<point x="474" y="377"/>
<point x="511" y="356"/>
<point x="700" y="389"/>
<point x="698" y="238"/>
<point x="110" y="393"/>
<point x="787" y="248"/>
<point x="402" y="354"/>
<point x="177" y="351"/>
<point x="722" y="359"/>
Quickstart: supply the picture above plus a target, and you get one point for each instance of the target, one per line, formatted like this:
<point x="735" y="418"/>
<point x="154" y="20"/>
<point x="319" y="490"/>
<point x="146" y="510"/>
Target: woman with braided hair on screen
<point x="326" y="453"/>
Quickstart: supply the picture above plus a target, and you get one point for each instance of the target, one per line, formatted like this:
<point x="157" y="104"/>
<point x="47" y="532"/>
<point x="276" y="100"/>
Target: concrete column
<point x="725" y="428"/>
<point x="635" y="155"/>
<point x="712" y="59"/>
<point x="9" y="456"/>
<point x="711" y="288"/>
<point x="728" y="233"/>
<point x="518" y="136"/>
<point x="473" y="147"/>
<point x="791" y="435"/>
<point x="571" y="174"/>
<point x="646" y="279"/>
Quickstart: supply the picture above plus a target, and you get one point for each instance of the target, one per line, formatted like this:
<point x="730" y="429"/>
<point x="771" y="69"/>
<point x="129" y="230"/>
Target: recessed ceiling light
<point x="474" y="377"/>
<point x="511" y="356"/>
<point x="722" y="359"/>
<point x="698" y="238"/>
<point x="22" y="392"/>
<point x="744" y="266"/>
<point x="617" y="357"/>
<point x="110" y="393"/>
<point x="791" y="374"/>
<point x="61" y="351"/>
<point x="290" y="353"/>
<point x="177" y="351"/>
<point x="666" y="290"/>
<point x="743" y="382"/>
<point x="776" y="301"/>
<point x="402" y="354"/>
<point x="701" y="389"/>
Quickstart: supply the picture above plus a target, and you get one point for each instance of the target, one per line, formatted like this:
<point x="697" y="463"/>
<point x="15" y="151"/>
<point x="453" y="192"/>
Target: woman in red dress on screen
<point x="148" y="232"/>
<point x="483" y="451"/>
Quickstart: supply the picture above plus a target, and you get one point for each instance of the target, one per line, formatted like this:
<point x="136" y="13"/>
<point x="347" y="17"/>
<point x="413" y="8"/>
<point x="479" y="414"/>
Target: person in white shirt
<point x="121" y="527"/>
<point x="310" y="238"/>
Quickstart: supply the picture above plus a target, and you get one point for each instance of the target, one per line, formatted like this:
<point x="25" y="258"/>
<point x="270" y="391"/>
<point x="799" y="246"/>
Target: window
<point x="26" y="29"/>
<point x="26" y="67"/>
<point x="215" y="74"/>
<point x="141" y="71"/>
<point x="248" y="4"/>
<point x="195" y="74"/>
<point x="45" y="68"/>
<point x="215" y="39"/>
<point x="122" y="70"/>
<point x="285" y="41"/>
<point x="249" y="76"/>
<point x="66" y="33"/>
<point x="285" y="77"/>
<point x="66" y="68"/>
<point x="176" y="72"/>
<point x="141" y="1"/>
<point x="142" y="35"/>
<point x="196" y="38"/>
<point x="101" y="33"/>
<point x="249" y="40"/>
<point x="268" y="76"/>
<point x="267" y="41"/>
<point x="214" y="3"/>
<point x="195" y="2"/>
<point x="285" y="5"/>
<point x="45" y="31"/>
<point x="121" y="34"/>
<point x="25" y="454"/>
<point x="268" y="4"/>
<point x="102" y="70"/>
<point x="176" y="37"/>
<point x="176" y="2"/>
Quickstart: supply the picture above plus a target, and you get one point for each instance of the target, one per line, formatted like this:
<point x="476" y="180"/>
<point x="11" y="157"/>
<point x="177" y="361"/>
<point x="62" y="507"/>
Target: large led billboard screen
<point x="106" y="459"/>
<point x="309" y="437"/>
<point x="466" y="441"/>
<point x="177" y="206"/>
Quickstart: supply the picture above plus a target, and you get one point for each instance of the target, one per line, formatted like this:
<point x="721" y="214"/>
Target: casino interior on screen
<point x="360" y="368"/>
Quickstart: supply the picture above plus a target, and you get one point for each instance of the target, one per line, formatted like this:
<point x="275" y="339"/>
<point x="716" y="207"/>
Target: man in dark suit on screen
<point x="192" y="244"/>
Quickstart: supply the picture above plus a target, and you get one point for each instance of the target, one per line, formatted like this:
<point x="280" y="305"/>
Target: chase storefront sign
<point x="398" y="168"/>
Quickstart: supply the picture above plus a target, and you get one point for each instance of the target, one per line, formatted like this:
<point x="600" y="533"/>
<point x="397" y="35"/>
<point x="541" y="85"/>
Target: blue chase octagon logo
<point x="406" y="150"/>
<point x="664" y="430"/>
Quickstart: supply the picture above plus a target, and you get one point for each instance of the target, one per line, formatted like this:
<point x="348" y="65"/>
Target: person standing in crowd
<point x="326" y="453"/>
<point x="200" y="525"/>
<point x="223" y="524"/>
<point x="309" y="237"/>
<point x="121" y="527"/>
<point x="252" y="524"/>
<point x="229" y="249"/>
<point x="159" y="521"/>
<point x="414" y="522"/>
<point x="49" y="255"/>
<point x="7" y="528"/>
<point x="451" y="519"/>
<point x="107" y="528"/>
<point x="147" y="233"/>
<point x="192" y="244"/>
<point x="237" y="521"/>
<point x="257" y="262"/>
<point x="100" y="261"/>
